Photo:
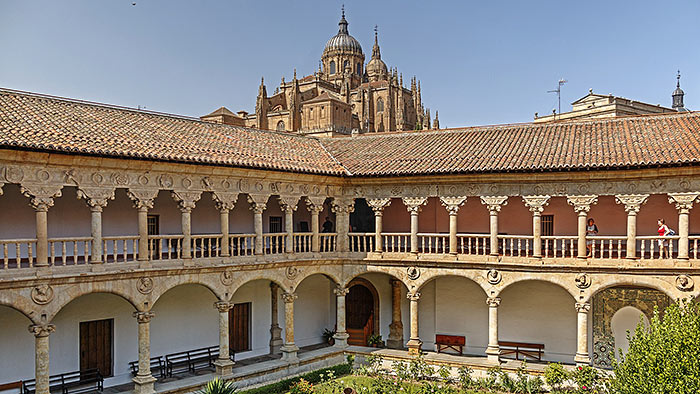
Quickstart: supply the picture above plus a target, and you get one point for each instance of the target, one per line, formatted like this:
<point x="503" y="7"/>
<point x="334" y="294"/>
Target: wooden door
<point x="239" y="327"/>
<point x="96" y="346"/>
<point x="359" y="308"/>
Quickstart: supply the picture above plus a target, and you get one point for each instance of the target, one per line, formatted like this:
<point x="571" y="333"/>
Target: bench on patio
<point x="454" y="342"/>
<point x="192" y="360"/>
<point x="85" y="381"/>
<point x="157" y="367"/>
<point x="531" y="350"/>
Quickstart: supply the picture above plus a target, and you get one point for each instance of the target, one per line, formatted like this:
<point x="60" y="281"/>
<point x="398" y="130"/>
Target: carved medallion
<point x="42" y="294"/>
<point x="684" y="283"/>
<point x="227" y="277"/>
<point x="259" y="186"/>
<point x="14" y="174"/>
<point x="413" y="273"/>
<point x="226" y="184"/>
<point x="684" y="184"/>
<point x="494" y="277"/>
<point x="165" y="181"/>
<point x="583" y="281"/>
<point x="243" y="185"/>
<point x="186" y="183"/>
<point x="120" y="179"/>
<point x="316" y="190"/>
<point x="473" y="189"/>
<point x="206" y="182"/>
<point x="289" y="188"/>
<point x="143" y="180"/>
<point x="145" y="285"/>
<point x="43" y="175"/>
<point x="304" y="189"/>
<point x="291" y="273"/>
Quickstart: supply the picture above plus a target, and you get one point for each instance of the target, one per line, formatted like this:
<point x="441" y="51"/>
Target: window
<point x="275" y="224"/>
<point x="547" y="225"/>
<point x="358" y="68"/>
<point x="345" y="65"/>
<point x="332" y="67"/>
<point x="280" y="126"/>
<point x="153" y="225"/>
<point x="380" y="105"/>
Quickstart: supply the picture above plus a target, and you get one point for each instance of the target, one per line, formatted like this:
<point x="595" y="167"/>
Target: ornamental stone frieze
<point x="683" y="201"/>
<point x="378" y="204"/>
<point x="536" y="204"/>
<point x="142" y="198"/>
<point x="414" y="204"/>
<point x="582" y="204"/>
<point x="494" y="203"/>
<point x="186" y="199"/>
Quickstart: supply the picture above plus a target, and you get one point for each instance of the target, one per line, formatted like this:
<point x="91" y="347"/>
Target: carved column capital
<point x="583" y="307"/>
<point x="41" y="196"/>
<point x="42" y="330"/>
<point x="144" y="317"/>
<point x="683" y="201"/>
<point x="494" y="203"/>
<point x="493" y="302"/>
<point x="378" y="204"/>
<point x="414" y="204"/>
<point x="343" y="205"/>
<point x="315" y="204"/>
<point x="186" y="200"/>
<point x="582" y="204"/>
<point x="341" y="291"/>
<point x="632" y="202"/>
<point x="223" y="306"/>
<point x="453" y="203"/>
<point x="225" y="202"/>
<point x="536" y="204"/>
<point x="288" y="298"/>
<point x="258" y="202"/>
<point x="288" y="203"/>
<point x="96" y="197"/>
<point x="142" y="198"/>
<point x="413" y="295"/>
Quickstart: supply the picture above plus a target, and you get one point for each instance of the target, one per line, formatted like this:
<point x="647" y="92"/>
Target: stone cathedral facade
<point x="345" y="95"/>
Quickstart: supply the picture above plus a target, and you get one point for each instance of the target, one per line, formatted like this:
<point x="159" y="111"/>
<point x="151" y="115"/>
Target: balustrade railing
<point x="473" y="244"/>
<point x="564" y="246"/>
<point x="607" y="247"/>
<point x="516" y="245"/>
<point x="120" y="248"/>
<point x="273" y="243"/>
<point x="328" y="242"/>
<point x="162" y="247"/>
<point x="302" y="242"/>
<point x="242" y="244"/>
<point x="655" y="247"/>
<point x="69" y="251"/>
<point x="396" y="242"/>
<point x="206" y="245"/>
<point x="18" y="253"/>
<point x="433" y="243"/>
<point x="361" y="242"/>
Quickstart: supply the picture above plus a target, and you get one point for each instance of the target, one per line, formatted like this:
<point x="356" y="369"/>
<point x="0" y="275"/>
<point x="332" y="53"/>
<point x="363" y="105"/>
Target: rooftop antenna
<point x="561" y="83"/>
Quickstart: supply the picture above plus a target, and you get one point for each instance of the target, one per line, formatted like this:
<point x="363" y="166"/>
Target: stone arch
<point x="280" y="126"/>
<point x="22" y="307"/>
<point x="635" y="281"/>
<point x="241" y="278"/>
<point x="164" y="285"/>
<point x="357" y="281"/>
<point x="510" y="279"/>
<point x="430" y="276"/>
<point x="355" y="271"/>
<point x="310" y="271"/>
<point x="68" y="294"/>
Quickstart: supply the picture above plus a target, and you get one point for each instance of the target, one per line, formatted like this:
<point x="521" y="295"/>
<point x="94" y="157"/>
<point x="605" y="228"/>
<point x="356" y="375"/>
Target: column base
<point x="276" y="340"/>
<point x="188" y="262"/>
<point x="413" y="346"/>
<point x="493" y="354"/>
<point x="289" y="353"/>
<point x="393" y="343"/>
<point x="97" y="266"/>
<point x="144" y="384"/>
<point x="582" y="359"/>
<point x="341" y="340"/>
<point x="44" y="270"/>
<point x="223" y="366"/>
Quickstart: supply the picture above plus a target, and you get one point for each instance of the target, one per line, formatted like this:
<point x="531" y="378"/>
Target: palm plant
<point x="218" y="386"/>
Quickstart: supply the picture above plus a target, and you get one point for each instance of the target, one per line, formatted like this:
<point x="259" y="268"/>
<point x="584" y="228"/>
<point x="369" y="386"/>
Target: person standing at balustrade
<point x="591" y="230"/>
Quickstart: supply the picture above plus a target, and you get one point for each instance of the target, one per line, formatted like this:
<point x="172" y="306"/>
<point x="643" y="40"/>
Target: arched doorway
<point x="361" y="311"/>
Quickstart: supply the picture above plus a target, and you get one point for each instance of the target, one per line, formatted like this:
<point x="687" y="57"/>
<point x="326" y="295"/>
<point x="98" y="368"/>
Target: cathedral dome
<point x="376" y="66"/>
<point x="343" y="41"/>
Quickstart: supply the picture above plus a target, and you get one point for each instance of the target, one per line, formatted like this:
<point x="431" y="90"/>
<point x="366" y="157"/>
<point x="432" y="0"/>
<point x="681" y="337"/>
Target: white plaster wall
<point x="314" y="310"/>
<point x="16" y="346"/>
<point x="539" y="312"/>
<point x="64" y="343"/>
<point x="461" y="310"/>
<point x="258" y="294"/>
<point x="166" y="208"/>
<point x="623" y="321"/>
<point x="426" y="316"/>
<point x="17" y="218"/>
<point x="205" y="217"/>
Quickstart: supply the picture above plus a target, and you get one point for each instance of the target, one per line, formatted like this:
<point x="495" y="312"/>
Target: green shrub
<point x="663" y="358"/>
<point x="302" y="387"/>
<point x="465" y="378"/>
<point x="218" y="386"/>
<point x="555" y="375"/>
<point x="587" y="380"/>
<point x="312" y="377"/>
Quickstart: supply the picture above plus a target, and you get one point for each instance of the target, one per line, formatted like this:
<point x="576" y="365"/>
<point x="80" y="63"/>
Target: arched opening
<point x="380" y="105"/>
<point x="361" y="311"/>
<point x="332" y="67"/>
<point x="314" y="310"/>
<point x="280" y="126"/>
<point x="625" y="321"/>
<point x="362" y="217"/>
<point x="358" y="68"/>
<point x="20" y="345"/>
<point x="345" y="65"/>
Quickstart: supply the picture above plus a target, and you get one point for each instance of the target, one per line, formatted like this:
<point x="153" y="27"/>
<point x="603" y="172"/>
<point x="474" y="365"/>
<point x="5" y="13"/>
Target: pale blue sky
<point x="479" y="62"/>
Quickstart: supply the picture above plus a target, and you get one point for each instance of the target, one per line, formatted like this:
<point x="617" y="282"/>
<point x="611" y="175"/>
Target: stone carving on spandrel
<point x="42" y="294"/>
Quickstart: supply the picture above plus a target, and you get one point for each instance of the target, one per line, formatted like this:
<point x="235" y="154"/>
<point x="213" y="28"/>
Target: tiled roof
<point x="44" y="123"/>
<point x="31" y="121"/>
<point x="641" y="141"/>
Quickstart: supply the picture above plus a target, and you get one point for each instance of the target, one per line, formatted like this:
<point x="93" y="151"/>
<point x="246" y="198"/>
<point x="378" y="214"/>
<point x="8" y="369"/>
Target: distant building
<point x="607" y="106"/>
<point x="342" y="96"/>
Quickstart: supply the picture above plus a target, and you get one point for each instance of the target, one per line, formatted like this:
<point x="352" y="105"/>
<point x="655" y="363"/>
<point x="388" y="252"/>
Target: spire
<point x="343" y="24"/>
<point x="401" y="79"/>
<point x="375" y="49"/>
<point x="436" y="122"/>
<point x="426" y="120"/>
<point x="678" y="95"/>
<point x="262" y="92"/>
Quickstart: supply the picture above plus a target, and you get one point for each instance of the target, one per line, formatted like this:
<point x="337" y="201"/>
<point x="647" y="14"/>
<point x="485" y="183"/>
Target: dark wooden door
<point x="96" y="346"/>
<point x="239" y="327"/>
<point x="359" y="308"/>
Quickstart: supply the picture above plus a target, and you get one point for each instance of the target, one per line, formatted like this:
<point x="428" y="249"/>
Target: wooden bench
<point x="531" y="350"/>
<point x="86" y="381"/>
<point x="454" y="342"/>
<point x="192" y="360"/>
<point x="157" y="367"/>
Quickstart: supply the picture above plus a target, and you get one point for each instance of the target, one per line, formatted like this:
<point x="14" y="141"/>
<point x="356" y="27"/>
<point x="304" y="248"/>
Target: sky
<point x="479" y="62"/>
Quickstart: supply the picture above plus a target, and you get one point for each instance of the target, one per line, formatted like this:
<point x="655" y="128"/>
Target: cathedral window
<point x="345" y="65"/>
<point x="380" y="105"/>
<point x="332" y="67"/>
<point x="358" y="68"/>
<point x="280" y="126"/>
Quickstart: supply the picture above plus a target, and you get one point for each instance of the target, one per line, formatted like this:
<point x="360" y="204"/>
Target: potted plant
<point x="328" y="336"/>
<point x="375" y="340"/>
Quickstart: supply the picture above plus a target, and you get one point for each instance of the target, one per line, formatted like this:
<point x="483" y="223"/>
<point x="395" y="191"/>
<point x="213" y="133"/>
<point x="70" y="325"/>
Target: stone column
<point x="41" y="199"/>
<point x="225" y="202"/>
<point x="341" y="335"/>
<point x="413" y="205"/>
<point x="186" y="201"/>
<point x="275" y="330"/>
<point x="536" y="205"/>
<point x="144" y="380"/>
<point x="315" y="207"/>
<point x="493" y="350"/>
<point x="494" y="204"/>
<point x="378" y="205"/>
<point x="289" y="349"/>
<point x="258" y="204"/>
<point x="223" y="364"/>
<point x="414" y="343"/>
<point x="395" y="339"/>
<point x="582" y="357"/>
<point x="288" y="206"/>
<point x="143" y="201"/>
<point x="632" y="204"/>
<point x="97" y="200"/>
<point x="452" y="204"/>
<point x="41" y="355"/>
<point x="582" y="205"/>
<point x="343" y="207"/>
<point x="684" y="203"/>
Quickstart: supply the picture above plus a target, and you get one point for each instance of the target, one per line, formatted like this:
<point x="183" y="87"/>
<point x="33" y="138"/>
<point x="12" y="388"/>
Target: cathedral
<point x="342" y="97"/>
